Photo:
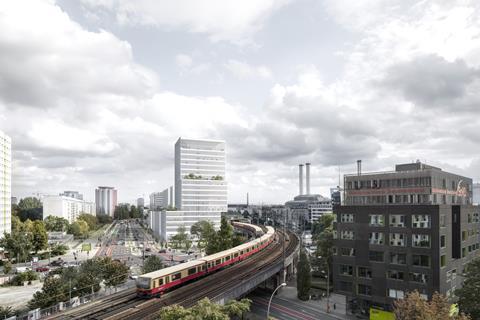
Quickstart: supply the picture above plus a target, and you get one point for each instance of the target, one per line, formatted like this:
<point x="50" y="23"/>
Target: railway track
<point x="127" y="306"/>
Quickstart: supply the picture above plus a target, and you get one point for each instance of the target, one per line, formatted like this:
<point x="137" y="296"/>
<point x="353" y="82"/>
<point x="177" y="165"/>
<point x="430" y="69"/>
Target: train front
<point x="144" y="287"/>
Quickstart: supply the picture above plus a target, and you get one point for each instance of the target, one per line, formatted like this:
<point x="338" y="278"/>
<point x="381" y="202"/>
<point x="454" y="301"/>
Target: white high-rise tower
<point x="5" y="184"/>
<point x="200" y="183"/>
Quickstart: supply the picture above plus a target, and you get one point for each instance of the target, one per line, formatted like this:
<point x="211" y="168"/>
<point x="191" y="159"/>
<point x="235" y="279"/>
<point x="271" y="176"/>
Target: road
<point x="285" y="309"/>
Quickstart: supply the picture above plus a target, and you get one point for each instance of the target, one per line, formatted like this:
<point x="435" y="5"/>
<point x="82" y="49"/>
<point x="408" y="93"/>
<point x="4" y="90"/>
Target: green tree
<point x="18" y="244"/>
<point x="414" y="307"/>
<point x="115" y="272"/>
<point x="58" y="250"/>
<point x="30" y="208"/>
<point x="7" y="267"/>
<point x="469" y="294"/>
<point x="304" y="277"/>
<point x="104" y="219"/>
<point x="53" y="291"/>
<point x="152" y="263"/>
<point x="204" y="231"/>
<point x="180" y="238"/>
<point x="79" y="229"/>
<point x="39" y="236"/>
<point x="89" y="219"/>
<point x="57" y="224"/>
<point x="205" y="310"/>
<point x="225" y="235"/>
<point x="90" y="275"/>
<point x="6" y="312"/>
<point x="235" y="308"/>
<point x="122" y="212"/>
<point x="322" y="236"/>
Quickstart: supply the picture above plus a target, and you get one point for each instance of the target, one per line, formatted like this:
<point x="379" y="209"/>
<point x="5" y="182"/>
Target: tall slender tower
<point x="200" y="182"/>
<point x="5" y="184"/>
<point x="105" y="200"/>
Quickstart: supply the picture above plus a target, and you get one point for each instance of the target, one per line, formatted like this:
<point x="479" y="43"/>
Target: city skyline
<point x="382" y="83"/>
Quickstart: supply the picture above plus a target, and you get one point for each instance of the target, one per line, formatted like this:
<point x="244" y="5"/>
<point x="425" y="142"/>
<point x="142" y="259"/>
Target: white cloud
<point x="243" y="70"/>
<point x="221" y="20"/>
<point x="183" y="61"/>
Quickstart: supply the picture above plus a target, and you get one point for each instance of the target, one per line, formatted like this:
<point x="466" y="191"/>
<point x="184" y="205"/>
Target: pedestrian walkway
<point x="336" y="302"/>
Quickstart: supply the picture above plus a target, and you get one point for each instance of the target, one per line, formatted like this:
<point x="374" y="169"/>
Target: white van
<point x="22" y="269"/>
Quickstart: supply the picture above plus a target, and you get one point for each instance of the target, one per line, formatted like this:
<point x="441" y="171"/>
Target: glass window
<point x="419" y="277"/>
<point x="398" y="258"/>
<point x="396" y="294"/>
<point x="397" y="239"/>
<point x="421" y="221"/>
<point x="376" y="220"/>
<point x="347" y="235"/>
<point x="376" y="238"/>
<point x="421" y="240"/>
<point x="443" y="241"/>
<point x="397" y="220"/>
<point x="345" y="286"/>
<point x="364" y="272"/>
<point x="420" y="260"/>
<point x="396" y="275"/>
<point x="376" y="256"/>
<point x="464" y="235"/>
<point x="443" y="260"/>
<point x="350" y="252"/>
<point x="364" y="290"/>
<point x="346" y="270"/>
<point x="347" y="217"/>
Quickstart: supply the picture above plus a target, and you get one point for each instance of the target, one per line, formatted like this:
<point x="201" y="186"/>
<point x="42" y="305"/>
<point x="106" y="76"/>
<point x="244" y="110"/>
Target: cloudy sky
<point x="96" y="92"/>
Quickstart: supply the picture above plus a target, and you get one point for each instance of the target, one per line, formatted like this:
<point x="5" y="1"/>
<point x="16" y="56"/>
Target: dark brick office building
<point x="414" y="228"/>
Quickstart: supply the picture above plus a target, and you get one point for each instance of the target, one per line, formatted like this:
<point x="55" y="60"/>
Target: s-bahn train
<point x="157" y="282"/>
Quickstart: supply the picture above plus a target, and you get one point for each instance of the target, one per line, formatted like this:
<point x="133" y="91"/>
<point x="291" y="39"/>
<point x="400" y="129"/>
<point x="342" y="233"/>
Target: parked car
<point x="148" y="249"/>
<point x="57" y="263"/>
<point x="42" y="269"/>
<point x="162" y="251"/>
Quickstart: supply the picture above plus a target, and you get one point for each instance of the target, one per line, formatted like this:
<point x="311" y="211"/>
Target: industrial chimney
<point x="300" y="177"/>
<point x="359" y="167"/>
<point x="307" y="170"/>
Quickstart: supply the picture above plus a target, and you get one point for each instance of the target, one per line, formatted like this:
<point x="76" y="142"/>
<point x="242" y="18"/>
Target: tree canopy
<point x="304" y="277"/>
<point x="414" y="307"/>
<point x="469" y="294"/>
<point x="54" y="223"/>
<point x="206" y="310"/>
<point x="152" y="263"/>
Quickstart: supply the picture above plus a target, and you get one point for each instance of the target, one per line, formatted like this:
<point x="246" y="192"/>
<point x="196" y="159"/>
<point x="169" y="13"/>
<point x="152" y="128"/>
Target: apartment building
<point x="5" y="184"/>
<point x="66" y="207"/>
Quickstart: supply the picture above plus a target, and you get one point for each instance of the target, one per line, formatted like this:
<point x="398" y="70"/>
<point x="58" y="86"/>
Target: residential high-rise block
<point x="72" y="194"/>
<point x="5" y="184"/>
<point x="161" y="200"/>
<point x="106" y="200"/>
<point x="66" y="207"/>
<point x="411" y="229"/>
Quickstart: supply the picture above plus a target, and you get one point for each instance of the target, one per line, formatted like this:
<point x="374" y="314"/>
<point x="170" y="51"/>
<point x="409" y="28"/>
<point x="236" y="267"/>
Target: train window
<point x="235" y="255"/>
<point x="209" y="265"/>
<point x="160" y="282"/>
<point x="176" y="276"/>
<point x="227" y="258"/>
<point x="218" y="261"/>
<point x="241" y="252"/>
<point x="203" y="267"/>
<point x="192" y="271"/>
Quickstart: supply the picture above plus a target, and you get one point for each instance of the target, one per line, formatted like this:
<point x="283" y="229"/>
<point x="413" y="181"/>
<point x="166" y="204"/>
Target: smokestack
<point x="359" y="167"/>
<point x="300" y="177"/>
<point x="307" y="170"/>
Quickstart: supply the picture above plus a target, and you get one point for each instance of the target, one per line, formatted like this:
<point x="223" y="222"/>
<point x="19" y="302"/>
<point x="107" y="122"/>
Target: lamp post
<point x="270" y="301"/>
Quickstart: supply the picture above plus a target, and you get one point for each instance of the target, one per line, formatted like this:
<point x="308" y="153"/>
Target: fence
<point x="73" y="303"/>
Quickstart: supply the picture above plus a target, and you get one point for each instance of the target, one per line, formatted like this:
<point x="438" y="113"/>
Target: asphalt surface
<point x="284" y="309"/>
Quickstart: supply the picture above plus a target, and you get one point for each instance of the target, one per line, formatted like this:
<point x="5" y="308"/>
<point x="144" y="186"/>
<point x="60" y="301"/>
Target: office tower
<point x="161" y="200"/>
<point x="140" y="202"/>
<point x="200" y="183"/>
<point x="105" y="200"/>
<point x="411" y="229"/>
<point x="5" y="183"/>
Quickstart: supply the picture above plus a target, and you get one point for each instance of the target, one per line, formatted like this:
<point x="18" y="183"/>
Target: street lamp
<point x="270" y="301"/>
